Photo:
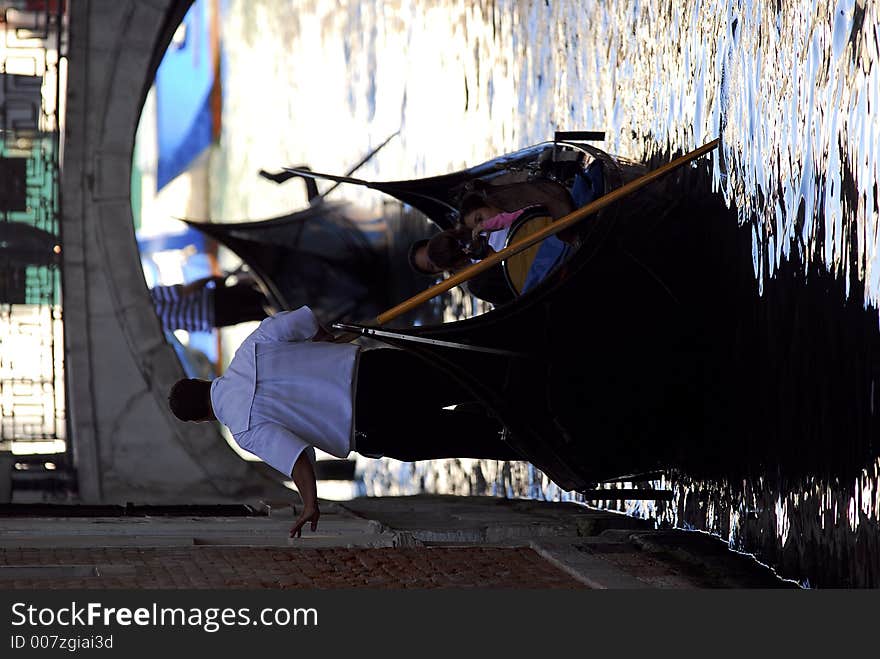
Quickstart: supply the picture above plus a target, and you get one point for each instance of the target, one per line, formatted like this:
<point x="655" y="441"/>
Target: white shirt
<point x="498" y="238"/>
<point x="283" y="392"/>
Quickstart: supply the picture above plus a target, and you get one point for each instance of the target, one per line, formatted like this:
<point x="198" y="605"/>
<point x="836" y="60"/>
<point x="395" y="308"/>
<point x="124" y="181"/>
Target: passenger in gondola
<point x="485" y="219"/>
<point x="493" y="229"/>
<point x="486" y="229"/>
<point x="489" y="208"/>
<point x="417" y="257"/>
<point x="512" y="197"/>
<point x="482" y="217"/>
<point x="499" y="215"/>
<point x="491" y="217"/>
<point x="489" y="286"/>
<point x="290" y="389"/>
<point x="206" y="303"/>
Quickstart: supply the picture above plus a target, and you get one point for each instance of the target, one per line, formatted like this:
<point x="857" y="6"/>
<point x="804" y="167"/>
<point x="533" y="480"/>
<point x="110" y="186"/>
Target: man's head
<point x="418" y="258"/>
<point x="445" y="250"/>
<point x="190" y="400"/>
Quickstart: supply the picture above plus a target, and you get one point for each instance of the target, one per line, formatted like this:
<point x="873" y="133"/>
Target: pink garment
<point x="501" y="221"/>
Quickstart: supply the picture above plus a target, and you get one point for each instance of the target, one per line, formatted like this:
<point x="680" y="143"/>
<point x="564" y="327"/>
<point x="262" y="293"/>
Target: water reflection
<point x="791" y="87"/>
<point x="824" y="533"/>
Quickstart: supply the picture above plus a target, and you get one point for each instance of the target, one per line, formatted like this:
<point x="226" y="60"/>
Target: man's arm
<point x="277" y="446"/>
<point x="297" y="325"/>
<point x="304" y="478"/>
<point x="323" y="334"/>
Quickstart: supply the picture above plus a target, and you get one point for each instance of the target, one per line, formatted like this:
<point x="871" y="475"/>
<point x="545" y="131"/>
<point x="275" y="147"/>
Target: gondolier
<point x="289" y="390"/>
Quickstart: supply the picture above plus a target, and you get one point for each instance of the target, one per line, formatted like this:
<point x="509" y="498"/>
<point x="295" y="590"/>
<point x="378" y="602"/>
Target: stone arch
<point x="126" y="444"/>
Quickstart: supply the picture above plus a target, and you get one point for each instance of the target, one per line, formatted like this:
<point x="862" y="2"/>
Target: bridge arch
<point x="126" y="443"/>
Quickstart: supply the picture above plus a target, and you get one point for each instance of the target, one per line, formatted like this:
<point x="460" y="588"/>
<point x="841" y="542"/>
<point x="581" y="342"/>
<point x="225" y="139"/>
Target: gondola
<point x="642" y="350"/>
<point x="588" y="371"/>
<point x="653" y="347"/>
<point x="317" y="256"/>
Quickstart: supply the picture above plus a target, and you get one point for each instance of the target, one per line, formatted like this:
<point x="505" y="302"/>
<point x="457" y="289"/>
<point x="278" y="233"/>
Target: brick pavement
<point x="254" y="567"/>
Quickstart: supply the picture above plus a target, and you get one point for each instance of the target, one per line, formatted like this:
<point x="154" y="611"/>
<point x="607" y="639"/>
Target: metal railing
<point x="32" y="82"/>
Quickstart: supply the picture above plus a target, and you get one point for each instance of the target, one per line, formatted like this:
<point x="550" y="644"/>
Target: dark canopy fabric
<point x="316" y="257"/>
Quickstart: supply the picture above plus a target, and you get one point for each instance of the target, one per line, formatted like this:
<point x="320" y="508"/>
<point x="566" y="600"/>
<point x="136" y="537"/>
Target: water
<point x="791" y="87"/>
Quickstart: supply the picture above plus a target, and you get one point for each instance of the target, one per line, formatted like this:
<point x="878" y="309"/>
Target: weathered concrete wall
<point x="127" y="445"/>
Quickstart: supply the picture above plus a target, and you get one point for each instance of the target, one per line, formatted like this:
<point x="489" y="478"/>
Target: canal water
<point x="792" y="88"/>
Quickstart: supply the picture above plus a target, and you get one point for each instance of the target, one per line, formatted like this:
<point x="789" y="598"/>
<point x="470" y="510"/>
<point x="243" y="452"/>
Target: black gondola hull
<point x="652" y="348"/>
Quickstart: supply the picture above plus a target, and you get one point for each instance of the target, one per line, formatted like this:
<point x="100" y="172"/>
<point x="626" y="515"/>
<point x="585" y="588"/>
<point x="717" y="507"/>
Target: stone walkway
<point x="424" y="541"/>
<point x="600" y="549"/>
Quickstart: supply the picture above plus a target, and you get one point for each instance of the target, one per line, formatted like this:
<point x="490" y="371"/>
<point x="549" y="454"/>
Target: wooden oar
<point x="554" y="228"/>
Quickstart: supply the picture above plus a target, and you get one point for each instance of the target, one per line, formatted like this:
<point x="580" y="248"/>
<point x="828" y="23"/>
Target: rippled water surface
<point x="791" y="87"/>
